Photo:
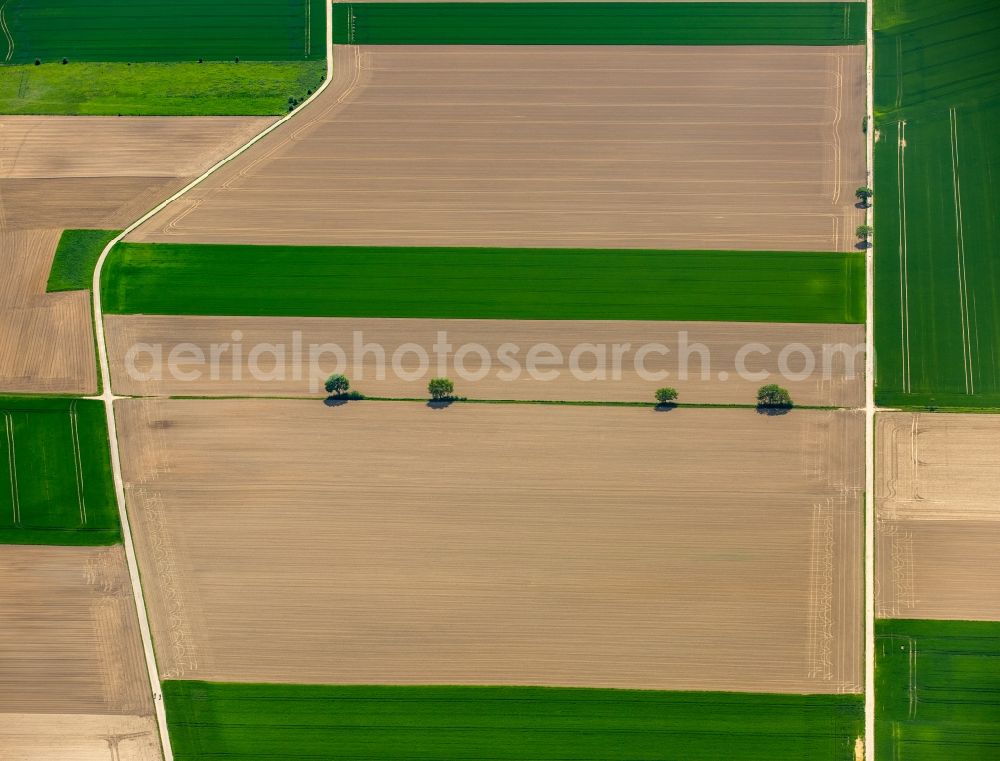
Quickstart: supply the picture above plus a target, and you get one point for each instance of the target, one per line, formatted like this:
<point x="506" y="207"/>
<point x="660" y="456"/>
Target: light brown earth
<point x="938" y="512"/>
<point x="69" y="644"/>
<point x="78" y="737"/>
<point x="288" y="369"/>
<point x="639" y="147"/>
<point x="81" y="172"/>
<point x="387" y="542"/>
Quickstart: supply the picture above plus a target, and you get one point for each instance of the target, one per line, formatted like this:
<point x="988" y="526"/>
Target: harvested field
<point x="69" y="640"/>
<point x="579" y="375"/>
<point x="938" y="516"/>
<point x="627" y="147"/>
<point x="45" y="338"/>
<point x="57" y="173"/>
<point x="80" y="737"/>
<point x="498" y="544"/>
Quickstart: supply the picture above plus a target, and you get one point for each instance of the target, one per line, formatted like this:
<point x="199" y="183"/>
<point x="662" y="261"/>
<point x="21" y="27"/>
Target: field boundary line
<point x="108" y="397"/>
<point x="15" y="499"/>
<point x="78" y="463"/>
<point x="869" y="547"/>
<point x="963" y="285"/>
<point x="6" y="33"/>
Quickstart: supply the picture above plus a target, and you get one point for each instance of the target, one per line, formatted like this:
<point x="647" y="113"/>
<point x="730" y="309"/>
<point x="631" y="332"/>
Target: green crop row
<point x="600" y="23"/>
<point x="253" y="721"/>
<point x="55" y="472"/>
<point x="545" y="284"/>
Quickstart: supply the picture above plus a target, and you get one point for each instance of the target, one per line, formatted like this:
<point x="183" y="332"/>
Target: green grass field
<point x="547" y="284"/>
<point x="255" y="721"/>
<point x="937" y="175"/>
<point x="75" y="259"/>
<point x="248" y="88"/>
<point x="55" y="473"/>
<point x="937" y="690"/>
<point x="599" y="23"/>
<point x="150" y="30"/>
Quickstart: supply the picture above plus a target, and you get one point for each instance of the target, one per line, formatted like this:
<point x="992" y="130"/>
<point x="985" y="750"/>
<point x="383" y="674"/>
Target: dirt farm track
<point x="631" y="147"/>
<point x="498" y="544"/>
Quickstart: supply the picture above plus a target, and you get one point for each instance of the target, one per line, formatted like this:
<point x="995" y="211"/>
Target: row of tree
<point x="771" y="396"/>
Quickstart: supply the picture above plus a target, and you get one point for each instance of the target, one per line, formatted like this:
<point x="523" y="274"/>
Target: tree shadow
<point x="773" y="411"/>
<point x="665" y="407"/>
<point x="862" y="205"/>
<point x="332" y="401"/>
<point x="440" y="404"/>
<point x="863" y="245"/>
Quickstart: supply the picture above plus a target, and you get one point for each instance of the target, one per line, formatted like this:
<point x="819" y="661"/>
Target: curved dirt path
<point x="108" y="397"/>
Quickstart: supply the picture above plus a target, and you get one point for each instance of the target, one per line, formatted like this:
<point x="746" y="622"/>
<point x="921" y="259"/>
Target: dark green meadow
<point x="937" y="690"/>
<point x="180" y="30"/>
<point x="545" y="284"/>
<point x="600" y="23"/>
<point x="937" y="175"/>
<point x="75" y="259"/>
<point x="361" y="723"/>
<point x="55" y="472"/>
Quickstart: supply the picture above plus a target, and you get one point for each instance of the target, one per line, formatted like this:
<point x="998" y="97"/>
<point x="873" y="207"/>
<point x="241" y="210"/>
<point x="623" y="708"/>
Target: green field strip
<point x="149" y="30"/>
<point x="55" y="473"/>
<point x="600" y="23"/>
<point x="937" y="279"/>
<point x="75" y="259"/>
<point x="369" y="723"/>
<point x="248" y="88"/>
<point x="937" y="690"/>
<point x="485" y="283"/>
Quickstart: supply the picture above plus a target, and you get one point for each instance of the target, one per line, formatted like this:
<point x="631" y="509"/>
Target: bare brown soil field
<point x="938" y="514"/>
<point x="389" y="542"/>
<point x="80" y="737"/>
<point x="91" y="172"/>
<point x="46" y="342"/>
<point x="578" y="376"/>
<point x="69" y="644"/>
<point x="635" y="147"/>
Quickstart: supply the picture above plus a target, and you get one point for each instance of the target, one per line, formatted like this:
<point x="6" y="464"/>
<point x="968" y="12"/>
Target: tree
<point x="864" y="232"/>
<point x="440" y="388"/>
<point x="337" y="384"/>
<point x="773" y="395"/>
<point x="863" y="194"/>
<point x="664" y="395"/>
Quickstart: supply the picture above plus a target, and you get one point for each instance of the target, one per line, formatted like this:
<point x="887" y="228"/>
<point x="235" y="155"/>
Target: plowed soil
<point x="291" y="375"/>
<point x="624" y="147"/>
<point x="71" y="172"/>
<point x="389" y="542"/>
<point x="938" y="516"/>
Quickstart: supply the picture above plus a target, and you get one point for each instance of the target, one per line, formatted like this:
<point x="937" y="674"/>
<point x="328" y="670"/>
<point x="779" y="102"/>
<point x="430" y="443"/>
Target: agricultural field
<point x="245" y="721"/>
<point x="75" y="259"/>
<point x="58" y="173"/>
<point x="718" y="148"/>
<point x="486" y="283"/>
<point x="437" y="555"/>
<point x="937" y="690"/>
<point x="72" y="679"/>
<point x="937" y="92"/>
<point x="715" y="378"/>
<point x="938" y="515"/>
<point x="599" y="23"/>
<point x="55" y="473"/>
<point x="147" y="30"/>
<point x="213" y="88"/>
